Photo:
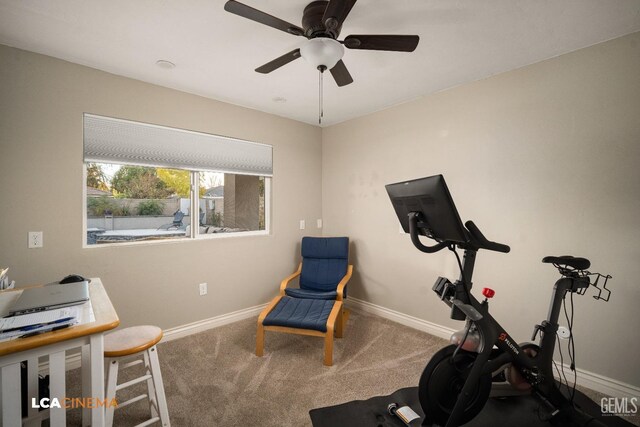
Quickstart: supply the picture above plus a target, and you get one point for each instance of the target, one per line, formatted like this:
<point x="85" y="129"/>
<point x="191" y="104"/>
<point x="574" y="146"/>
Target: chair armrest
<point x="343" y="283"/>
<point x="285" y="282"/>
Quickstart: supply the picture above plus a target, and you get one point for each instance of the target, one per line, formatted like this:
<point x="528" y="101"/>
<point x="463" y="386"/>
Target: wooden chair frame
<point x="335" y="323"/>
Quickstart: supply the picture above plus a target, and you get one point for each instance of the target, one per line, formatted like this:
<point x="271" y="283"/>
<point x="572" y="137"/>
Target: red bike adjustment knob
<point x="488" y="292"/>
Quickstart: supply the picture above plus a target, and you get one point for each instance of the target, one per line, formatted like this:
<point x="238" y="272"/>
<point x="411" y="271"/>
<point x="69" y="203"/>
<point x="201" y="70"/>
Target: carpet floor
<point x="214" y="379"/>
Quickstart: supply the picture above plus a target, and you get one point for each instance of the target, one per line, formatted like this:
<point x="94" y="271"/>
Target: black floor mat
<point x="523" y="411"/>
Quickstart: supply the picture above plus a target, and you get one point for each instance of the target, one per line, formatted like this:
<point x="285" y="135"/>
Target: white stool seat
<point x="136" y="345"/>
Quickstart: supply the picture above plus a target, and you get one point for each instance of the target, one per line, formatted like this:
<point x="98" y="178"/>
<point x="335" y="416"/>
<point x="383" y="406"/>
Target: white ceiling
<point x="216" y="52"/>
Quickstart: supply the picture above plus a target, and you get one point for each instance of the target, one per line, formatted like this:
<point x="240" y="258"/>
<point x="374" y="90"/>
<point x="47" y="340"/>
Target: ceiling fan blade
<point x="341" y="74"/>
<point x="336" y="12"/>
<point x="261" y="17"/>
<point x="395" y="43"/>
<point x="279" y="62"/>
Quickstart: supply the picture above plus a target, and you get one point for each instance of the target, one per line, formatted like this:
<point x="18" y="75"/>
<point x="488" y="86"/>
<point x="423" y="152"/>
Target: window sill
<point x="213" y="236"/>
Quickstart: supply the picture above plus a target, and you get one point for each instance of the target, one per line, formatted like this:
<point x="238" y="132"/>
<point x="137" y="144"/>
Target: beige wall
<point x="545" y="158"/>
<point x="41" y="104"/>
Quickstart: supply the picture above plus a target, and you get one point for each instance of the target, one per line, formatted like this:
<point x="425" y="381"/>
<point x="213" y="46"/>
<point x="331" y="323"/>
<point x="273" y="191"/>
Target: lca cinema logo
<point x="619" y="406"/>
<point x="73" y="402"/>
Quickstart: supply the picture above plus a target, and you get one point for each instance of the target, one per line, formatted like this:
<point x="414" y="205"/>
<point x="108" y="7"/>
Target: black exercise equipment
<point x="484" y="359"/>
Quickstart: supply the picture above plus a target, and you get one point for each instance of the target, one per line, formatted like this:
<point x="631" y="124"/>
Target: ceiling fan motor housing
<point x="312" y="21"/>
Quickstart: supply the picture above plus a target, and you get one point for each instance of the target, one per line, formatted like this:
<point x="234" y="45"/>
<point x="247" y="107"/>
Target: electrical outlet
<point x="302" y="224"/>
<point x="203" y="289"/>
<point x="319" y="222"/>
<point x="35" y="239"/>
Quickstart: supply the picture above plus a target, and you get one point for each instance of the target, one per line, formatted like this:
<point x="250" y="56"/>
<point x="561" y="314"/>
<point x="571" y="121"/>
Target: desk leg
<point x="57" y="388"/>
<point x="11" y="405"/>
<point x="85" y="372"/>
<point x="96" y="343"/>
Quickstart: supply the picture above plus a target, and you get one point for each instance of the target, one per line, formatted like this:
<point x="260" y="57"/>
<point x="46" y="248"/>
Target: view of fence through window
<point x="138" y="203"/>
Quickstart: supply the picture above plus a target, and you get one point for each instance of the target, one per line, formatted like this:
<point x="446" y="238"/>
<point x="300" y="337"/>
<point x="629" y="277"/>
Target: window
<point x="146" y="182"/>
<point x="231" y="202"/>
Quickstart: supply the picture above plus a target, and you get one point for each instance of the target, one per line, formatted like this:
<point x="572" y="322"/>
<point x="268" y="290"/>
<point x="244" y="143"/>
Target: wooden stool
<point x="133" y="343"/>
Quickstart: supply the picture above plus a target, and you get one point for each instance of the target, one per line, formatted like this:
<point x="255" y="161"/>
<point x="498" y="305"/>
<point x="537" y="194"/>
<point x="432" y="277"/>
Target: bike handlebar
<point x="483" y="242"/>
<point x="413" y="231"/>
<point x="477" y="238"/>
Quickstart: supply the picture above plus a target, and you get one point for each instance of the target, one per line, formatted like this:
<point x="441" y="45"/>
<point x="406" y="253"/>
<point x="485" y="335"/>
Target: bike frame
<point x="537" y="370"/>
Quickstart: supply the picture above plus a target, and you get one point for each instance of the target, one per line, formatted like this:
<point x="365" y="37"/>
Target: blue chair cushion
<point x="324" y="262"/>
<point x="300" y="313"/>
<point x="325" y="247"/>
<point x="309" y="294"/>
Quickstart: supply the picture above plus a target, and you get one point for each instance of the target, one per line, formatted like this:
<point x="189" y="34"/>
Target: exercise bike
<point x="483" y="358"/>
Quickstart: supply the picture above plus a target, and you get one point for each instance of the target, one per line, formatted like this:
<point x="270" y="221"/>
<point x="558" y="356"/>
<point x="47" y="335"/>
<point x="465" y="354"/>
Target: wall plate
<point x="563" y="332"/>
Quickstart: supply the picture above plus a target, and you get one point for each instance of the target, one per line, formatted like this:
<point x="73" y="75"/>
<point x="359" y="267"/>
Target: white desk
<point x="87" y="336"/>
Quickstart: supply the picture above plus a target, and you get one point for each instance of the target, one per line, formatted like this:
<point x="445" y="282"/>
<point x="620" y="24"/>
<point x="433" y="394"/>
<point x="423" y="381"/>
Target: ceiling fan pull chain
<point x="320" y="109"/>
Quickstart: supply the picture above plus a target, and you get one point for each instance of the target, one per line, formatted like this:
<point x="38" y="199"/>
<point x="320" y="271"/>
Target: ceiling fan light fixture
<point x="322" y="51"/>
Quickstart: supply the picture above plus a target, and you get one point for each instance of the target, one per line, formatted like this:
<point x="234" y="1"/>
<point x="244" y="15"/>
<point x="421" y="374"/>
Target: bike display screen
<point x="429" y="197"/>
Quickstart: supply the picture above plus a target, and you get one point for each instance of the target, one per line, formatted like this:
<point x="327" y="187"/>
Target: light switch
<point x="319" y="222"/>
<point x="302" y="225"/>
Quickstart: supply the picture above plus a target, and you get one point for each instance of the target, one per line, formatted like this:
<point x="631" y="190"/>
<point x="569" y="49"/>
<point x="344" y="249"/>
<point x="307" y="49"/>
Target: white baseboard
<point x="602" y="384"/>
<point x="599" y="383"/>
<point x="72" y="361"/>
<point x="404" y="319"/>
<point x="210" y="323"/>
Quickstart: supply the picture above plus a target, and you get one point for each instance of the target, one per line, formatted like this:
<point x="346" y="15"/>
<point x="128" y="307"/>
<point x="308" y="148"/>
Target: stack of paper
<point x="35" y="323"/>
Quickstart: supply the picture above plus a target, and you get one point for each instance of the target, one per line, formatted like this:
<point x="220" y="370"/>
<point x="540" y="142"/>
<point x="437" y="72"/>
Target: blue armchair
<point x="316" y="307"/>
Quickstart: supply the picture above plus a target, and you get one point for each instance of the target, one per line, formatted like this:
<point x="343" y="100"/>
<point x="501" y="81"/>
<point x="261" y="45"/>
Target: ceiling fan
<point x="321" y="24"/>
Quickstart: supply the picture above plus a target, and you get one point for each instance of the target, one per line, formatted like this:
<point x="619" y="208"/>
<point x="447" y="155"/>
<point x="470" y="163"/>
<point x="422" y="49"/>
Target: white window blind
<point x="110" y="140"/>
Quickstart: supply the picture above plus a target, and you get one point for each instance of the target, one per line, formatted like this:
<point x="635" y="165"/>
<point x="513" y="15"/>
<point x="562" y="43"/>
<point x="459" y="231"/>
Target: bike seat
<point x="568" y="260"/>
